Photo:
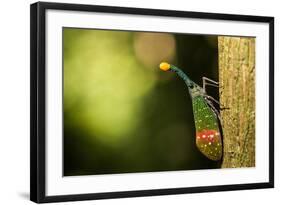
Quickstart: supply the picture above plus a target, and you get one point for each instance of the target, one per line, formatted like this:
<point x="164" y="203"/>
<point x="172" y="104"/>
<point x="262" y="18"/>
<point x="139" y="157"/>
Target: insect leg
<point x="213" y="99"/>
<point x="208" y="81"/>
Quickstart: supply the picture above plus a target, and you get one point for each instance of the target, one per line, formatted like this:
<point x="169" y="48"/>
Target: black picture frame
<point x="38" y="100"/>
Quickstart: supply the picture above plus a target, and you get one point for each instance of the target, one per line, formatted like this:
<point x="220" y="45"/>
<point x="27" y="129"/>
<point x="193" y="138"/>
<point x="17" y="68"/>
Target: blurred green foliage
<point x="121" y="113"/>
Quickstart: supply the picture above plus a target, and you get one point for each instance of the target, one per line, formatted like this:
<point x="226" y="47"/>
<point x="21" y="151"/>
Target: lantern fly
<point x="206" y="117"/>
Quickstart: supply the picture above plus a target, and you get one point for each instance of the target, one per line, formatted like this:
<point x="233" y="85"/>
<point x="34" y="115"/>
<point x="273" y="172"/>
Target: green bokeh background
<point x="121" y="113"/>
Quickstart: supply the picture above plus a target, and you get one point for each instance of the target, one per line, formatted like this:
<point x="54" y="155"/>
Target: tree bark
<point x="237" y="99"/>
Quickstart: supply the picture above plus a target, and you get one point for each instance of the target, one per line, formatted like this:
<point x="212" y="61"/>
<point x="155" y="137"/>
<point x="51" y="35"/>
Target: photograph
<point x="138" y="101"/>
<point x="133" y="102"/>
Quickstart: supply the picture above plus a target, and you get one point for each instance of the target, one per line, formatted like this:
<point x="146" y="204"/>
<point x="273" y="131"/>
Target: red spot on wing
<point x="209" y="143"/>
<point x="208" y="135"/>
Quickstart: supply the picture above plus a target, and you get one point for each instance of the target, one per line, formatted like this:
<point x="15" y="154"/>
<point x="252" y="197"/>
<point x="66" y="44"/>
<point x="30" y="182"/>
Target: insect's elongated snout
<point x="169" y="67"/>
<point x="165" y="66"/>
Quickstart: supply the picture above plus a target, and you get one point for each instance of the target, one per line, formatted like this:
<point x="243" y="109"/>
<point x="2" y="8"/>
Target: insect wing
<point x="208" y="136"/>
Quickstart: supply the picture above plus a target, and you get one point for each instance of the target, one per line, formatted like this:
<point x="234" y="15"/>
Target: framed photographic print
<point x="129" y="102"/>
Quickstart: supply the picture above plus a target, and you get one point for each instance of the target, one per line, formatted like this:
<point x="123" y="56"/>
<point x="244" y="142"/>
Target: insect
<point x="206" y="116"/>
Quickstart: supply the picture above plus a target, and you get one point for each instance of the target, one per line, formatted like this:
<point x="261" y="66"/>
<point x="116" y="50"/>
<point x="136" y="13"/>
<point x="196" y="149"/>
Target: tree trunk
<point x="237" y="99"/>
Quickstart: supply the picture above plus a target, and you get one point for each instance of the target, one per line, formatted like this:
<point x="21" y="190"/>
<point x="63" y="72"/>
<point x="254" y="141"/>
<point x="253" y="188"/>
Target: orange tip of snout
<point x="164" y="66"/>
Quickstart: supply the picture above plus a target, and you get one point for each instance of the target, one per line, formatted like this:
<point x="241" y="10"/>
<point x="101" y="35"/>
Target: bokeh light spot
<point x="152" y="48"/>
